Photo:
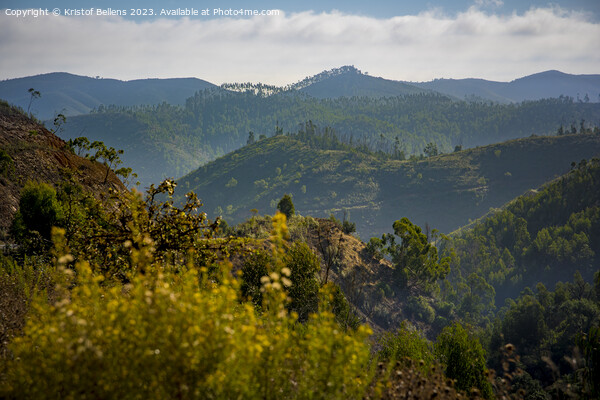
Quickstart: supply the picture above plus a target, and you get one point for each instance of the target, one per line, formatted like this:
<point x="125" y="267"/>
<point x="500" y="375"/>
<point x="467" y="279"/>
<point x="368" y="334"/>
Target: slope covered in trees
<point x="325" y="175"/>
<point x="350" y="82"/>
<point x="545" y="236"/>
<point x="169" y="141"/>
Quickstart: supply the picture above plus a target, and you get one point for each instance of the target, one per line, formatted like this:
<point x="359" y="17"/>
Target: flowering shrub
<point x="178" y="334"/>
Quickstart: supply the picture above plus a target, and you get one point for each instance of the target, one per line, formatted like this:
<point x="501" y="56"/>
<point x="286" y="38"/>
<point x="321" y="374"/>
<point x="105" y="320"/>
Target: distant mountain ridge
<point x="346" y="81"/>
<point x="70" y="94"/>
<point x="545" y="84"/>
<point x="74" y="95"/>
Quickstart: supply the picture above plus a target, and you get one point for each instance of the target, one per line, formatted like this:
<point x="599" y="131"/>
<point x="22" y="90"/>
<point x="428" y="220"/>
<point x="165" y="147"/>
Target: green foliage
<point x="419" y="308"/>
<point x="254" y="268"/>
<point x="298" y="276"/>
<point x="415" y="259"/>
<point x="105" y="231"/>
<point x="35" y="94"/>
<point x="431" y="149"/>
<point x="464" y="359"/>
<point x="20" y="282"/>
<point x="303" y="266"/>
<point x="78" y="145"/>
<point x="545" y="236"/>
<point x="215" y="122"/>
<point x="344" y="313"/>
<point x="286" y="206"/>
<point x="375" y="247"/>
<point x="58" y="122"/>
<point x="348" y="227"/>
<point x="406" y="342"/>
<point x="524" y="324"/>
<point x="546" y="325"/>
<point x="589" y="343"/>
<point x="39" y="210"/>
<point x="181" y="332"/>
<point x="107" y="155"/>
<point x="477" y="300"/>
<point x="162" y="336"/>
<point x="6" y="163"/>
<point x="369" y="184"/>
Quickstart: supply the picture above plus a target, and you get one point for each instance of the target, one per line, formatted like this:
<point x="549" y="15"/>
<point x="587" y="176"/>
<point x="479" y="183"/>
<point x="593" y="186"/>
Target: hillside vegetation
<point x="169" y="141"/>
<point x="443" y="191"/>
<point x="529" y="275"/>
<point x="131" y="295"/>
<point x="31" y="153"/>
<point x="543" y="237"/>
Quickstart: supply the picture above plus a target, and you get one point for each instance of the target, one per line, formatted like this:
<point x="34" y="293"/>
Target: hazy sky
<point x="414" y="41"/>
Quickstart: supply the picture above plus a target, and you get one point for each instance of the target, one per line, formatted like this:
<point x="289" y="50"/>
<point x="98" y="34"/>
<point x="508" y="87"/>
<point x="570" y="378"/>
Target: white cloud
<point x="286" y="48"/>
<point x="489" y="3"/>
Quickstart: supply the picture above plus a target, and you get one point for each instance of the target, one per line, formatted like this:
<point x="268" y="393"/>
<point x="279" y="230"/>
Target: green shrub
<point x="6" y="163"/>
<point x="19" y="283"/>
<point x="345" y="315"/>
<point x="170" y="335"/>
<point x="420" y="309"/>
<point x="39" y="211"/>
<point x="406" y="342"/>
<point x="304" y="266"/>
<point x="254" y="268"/>
<point x="348" y="227"/>
<point x="464" y="359"/>
<point x="375" y="247"/>
<point x="286" y="206"/>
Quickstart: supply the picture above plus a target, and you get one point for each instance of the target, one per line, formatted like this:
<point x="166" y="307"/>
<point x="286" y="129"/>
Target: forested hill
<point x="170" y="141"/>
<point x="543" y="236"/>
<point x="349" y="82"/>
<point x="73" y="94"/>
<point x="444" y="191"/>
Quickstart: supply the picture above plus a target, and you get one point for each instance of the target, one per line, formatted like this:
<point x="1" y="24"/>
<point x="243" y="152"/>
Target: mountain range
<point x="537" y="86"/>
<point x="74" y="95"/>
